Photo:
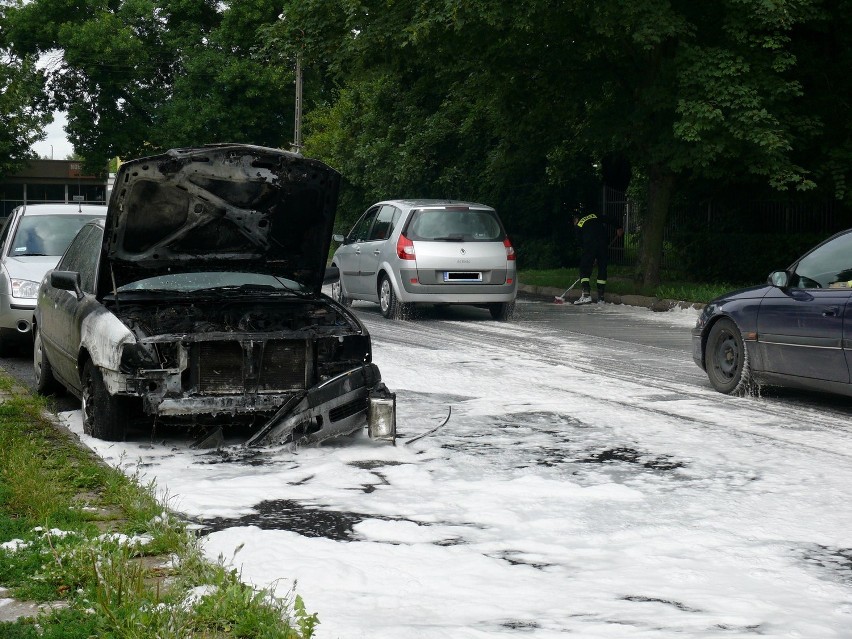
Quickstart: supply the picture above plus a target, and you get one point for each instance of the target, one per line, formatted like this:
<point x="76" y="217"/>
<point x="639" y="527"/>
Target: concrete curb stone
<point x="652" y="303"/>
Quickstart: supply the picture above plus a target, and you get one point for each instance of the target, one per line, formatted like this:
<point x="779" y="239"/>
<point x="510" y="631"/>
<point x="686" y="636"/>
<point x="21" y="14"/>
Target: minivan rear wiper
<point x="451" y="238"/>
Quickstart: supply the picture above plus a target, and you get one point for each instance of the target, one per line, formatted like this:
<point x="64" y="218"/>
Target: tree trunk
<point x="660" y="189"/>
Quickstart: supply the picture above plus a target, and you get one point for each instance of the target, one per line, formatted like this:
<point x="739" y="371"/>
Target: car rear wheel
<point x="339" y="295"/>
<point x="105" y="416"/>
<point x="726" y="358"/>
<point x="389" y="303"/>
<point x="502" y="311"/>
<point x="45" y="382"/>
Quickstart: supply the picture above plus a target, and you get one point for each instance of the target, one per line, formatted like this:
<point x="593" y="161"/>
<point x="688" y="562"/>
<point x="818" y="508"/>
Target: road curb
<point x="653" y="303"/>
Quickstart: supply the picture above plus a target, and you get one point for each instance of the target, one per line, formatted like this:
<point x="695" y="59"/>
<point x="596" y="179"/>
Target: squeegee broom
<point x="560" y="299"/>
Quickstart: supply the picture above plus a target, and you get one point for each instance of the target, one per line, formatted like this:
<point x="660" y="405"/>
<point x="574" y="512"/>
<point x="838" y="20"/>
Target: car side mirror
<point x="338" y="238"/>
<point x="332" y="275"/>
<point x="781" y="279"/>
<point x="67" y="281"/>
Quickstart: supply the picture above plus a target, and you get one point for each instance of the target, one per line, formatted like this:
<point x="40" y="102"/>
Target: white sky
<point x="717" y="516"/>
<point x="56" y="141"/>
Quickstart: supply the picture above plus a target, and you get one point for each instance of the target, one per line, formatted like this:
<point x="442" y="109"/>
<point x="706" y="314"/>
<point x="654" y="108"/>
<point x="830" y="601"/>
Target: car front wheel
<point x="389" y="303"/>
<point x="105" y="416"/>
<point x="726" y="359"/>
<point x="45" y="382"/>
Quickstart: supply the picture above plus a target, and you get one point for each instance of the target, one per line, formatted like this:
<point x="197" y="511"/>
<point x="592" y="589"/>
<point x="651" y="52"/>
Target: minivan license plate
<point x="462" y="276"/>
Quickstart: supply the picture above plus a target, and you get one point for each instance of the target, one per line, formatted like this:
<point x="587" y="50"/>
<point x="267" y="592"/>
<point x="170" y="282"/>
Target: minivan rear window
<point x="475" y="225"/>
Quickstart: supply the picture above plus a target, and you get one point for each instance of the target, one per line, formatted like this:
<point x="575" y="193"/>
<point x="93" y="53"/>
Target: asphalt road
<point x="20" y="366"/>
<point x="633" y="342"/>
<point x="587" y="460"/>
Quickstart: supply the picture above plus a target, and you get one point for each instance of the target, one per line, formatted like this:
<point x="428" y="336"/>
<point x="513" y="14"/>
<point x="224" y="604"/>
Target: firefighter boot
<point x="585" y="297"/>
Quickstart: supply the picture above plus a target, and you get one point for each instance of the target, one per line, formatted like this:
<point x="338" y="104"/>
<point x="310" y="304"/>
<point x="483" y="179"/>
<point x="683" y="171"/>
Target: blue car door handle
<point x="831" y="311"/>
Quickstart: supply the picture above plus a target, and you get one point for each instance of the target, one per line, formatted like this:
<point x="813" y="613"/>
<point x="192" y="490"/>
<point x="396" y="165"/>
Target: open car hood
<point x="227" y="207"/>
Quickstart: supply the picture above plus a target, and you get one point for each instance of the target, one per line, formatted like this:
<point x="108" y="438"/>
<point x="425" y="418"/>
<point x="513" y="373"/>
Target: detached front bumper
<point x="339" y="406"/>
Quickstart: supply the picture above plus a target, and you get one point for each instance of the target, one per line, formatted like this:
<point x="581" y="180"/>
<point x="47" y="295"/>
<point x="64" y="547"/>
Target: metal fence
<point x="768" y="217"/>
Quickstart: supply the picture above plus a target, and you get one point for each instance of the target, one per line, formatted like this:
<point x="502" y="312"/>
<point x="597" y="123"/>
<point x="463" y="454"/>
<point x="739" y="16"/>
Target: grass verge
<point x="620" y="282"/>
<point x="105" y="553"/>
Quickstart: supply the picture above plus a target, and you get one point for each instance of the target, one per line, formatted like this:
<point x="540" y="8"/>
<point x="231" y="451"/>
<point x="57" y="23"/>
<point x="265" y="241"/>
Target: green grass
<point x="620" y="282"/>
<point x="57" y="499"/>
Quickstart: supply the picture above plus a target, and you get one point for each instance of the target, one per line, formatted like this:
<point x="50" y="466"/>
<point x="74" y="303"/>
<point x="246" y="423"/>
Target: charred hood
<point x="220" y="207"/>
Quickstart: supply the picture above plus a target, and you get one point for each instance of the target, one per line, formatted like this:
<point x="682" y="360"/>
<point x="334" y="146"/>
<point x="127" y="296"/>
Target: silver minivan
<point x="406" y="252"/>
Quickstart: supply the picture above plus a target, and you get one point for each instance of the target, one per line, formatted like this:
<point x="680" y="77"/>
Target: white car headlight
<point x="24" y="289"/>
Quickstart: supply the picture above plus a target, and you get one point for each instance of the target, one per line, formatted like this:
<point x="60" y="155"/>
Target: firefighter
<point x="594" y="233"/>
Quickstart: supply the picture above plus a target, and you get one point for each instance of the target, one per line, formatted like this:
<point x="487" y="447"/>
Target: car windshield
<point x="476" y="225"/>
<point x="46" y="234"/>
<point x="213" y="280"/>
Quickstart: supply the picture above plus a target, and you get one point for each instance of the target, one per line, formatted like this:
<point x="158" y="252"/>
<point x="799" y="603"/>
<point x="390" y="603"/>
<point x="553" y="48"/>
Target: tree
<point x="689" y="89"/>
<point x="482" y="97"/>
<point x="23" y="108"/>
<point x="517" y="105"/>
<point x="140" y="76"/>
<point x="823" y="50"/>
<point x="420" y="99"/>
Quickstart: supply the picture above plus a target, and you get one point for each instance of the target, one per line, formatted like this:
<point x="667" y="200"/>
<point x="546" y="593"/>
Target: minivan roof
<point x="426" y="202"/>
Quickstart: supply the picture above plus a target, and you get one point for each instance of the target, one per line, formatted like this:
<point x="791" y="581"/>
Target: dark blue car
<point x="795" y="330"/>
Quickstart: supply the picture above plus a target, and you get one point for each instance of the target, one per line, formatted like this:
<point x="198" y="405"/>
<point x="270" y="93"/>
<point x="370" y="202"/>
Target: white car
<point x="33" y="239"/>
<point x="406" y="252"/>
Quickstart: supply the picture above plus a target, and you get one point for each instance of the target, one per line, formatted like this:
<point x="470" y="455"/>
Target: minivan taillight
<point x="405" y="248"/>
<point x="510" y="251"/>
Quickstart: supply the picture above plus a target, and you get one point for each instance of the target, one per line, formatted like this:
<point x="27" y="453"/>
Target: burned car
<point x="198" y="301"/>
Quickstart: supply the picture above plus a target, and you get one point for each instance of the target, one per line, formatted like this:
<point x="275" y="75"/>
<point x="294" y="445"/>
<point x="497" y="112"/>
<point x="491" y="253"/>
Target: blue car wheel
<point x="727" y="359"/>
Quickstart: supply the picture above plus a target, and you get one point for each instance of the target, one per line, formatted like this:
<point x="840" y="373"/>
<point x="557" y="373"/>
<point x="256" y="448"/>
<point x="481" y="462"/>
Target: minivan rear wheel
<point x="389" y="303"/>
<point x="502" y="311"/>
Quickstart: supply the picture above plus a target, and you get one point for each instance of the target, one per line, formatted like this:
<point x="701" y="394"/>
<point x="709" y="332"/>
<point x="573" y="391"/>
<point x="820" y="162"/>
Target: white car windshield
<point x="46" y="234"/>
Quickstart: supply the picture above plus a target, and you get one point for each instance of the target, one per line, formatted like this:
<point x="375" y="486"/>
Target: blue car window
<point x="828" y="266"/>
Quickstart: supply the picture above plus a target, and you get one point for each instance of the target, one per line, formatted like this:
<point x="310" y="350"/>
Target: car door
<point x="60" y="310"/>
<point x="801" y="326"/>
<point x="374" y="249"/>
<point x="349" y="254"/>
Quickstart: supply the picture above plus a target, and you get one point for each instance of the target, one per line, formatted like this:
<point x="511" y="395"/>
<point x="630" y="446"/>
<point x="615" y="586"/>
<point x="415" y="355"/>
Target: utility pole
<point x="297" y="127"/>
